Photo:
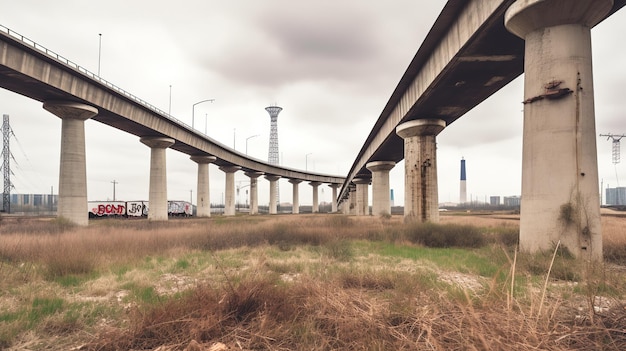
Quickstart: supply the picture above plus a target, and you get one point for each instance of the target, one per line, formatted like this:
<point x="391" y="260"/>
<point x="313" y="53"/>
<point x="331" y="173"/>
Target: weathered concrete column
<point x="352" y="199"/>
<point x="316" y="205"/>
<point x="157" y="197"/>
<point x="381" y="202"/>
<point x="229" y="191"/>
<point x="273" y="192"/>
<point x="295" y="209"/>
<point x="334" y="196"/>
<point x="254" y="191"/>
<point x="203" y="198"/>
<point x="72" y="203"/>
<point x="362" y="199"/>
<point x="421" y="202"/>
<point x="560" y="198"/>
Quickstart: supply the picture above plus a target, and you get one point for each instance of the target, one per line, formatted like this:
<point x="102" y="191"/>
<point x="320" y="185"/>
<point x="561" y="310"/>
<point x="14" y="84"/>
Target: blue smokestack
<point x="463" y="176"/>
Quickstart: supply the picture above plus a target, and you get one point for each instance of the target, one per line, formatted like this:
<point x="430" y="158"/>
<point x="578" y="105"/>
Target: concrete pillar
<point x="421" y="202"/>
<point x="72" y="203"/>
<point x="560" y="200"/>
<point x="334" y="196"/>
<point x="157" y="197"/>
<point x="381" y="201"/>
<point x="352" y="199"/>
<point x="203" y="198"/>
<point x="296" y="195"/>
<point x="316" y="206"/>
<point x="229" y="192"/>
<point x="273" y="192"/>
<point x="254" y="191"/>
<point x="362" y="199"/>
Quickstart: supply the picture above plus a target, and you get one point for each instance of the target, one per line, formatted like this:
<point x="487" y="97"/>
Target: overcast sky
<point x="332" y="66"/>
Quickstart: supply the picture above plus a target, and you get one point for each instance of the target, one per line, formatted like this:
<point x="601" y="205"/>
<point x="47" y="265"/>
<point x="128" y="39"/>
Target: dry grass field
<point x="308" y="282"/>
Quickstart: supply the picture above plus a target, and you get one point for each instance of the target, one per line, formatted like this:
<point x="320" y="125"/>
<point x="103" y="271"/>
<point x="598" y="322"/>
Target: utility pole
<point x="114" y="182"/>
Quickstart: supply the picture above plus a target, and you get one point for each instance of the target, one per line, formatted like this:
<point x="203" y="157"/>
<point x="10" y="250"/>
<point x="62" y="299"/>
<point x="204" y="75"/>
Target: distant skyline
<point x="330" y="65"/>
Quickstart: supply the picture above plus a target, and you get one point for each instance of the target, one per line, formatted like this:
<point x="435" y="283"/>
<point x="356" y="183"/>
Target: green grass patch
<point x="479" y="262"/>
<point x="43" y="307"/>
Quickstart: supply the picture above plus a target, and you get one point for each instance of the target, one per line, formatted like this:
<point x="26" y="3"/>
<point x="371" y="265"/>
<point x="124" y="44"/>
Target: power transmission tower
<point x="615" y="145"/>
<point x="273" y="151"/>
<point x="615" y="148"/>
<point x="6" y="164"/>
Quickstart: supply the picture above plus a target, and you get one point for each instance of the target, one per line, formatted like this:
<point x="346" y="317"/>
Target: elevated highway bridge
<point x="75" y="94"/>
<point x="475" y="48"/>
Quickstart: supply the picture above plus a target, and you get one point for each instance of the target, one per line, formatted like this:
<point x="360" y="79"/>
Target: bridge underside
<point x="488" y="60"/>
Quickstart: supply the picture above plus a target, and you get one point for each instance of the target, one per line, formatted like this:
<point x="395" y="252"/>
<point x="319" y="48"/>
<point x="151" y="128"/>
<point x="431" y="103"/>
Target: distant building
<point x="33" y="203"/>
<point x="494" y="200"/>
<point x="616" y="196"/>
<point x="512" y="201"/>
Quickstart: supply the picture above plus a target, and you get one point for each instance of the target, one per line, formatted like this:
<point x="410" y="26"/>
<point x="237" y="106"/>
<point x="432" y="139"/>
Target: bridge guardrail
<point x="76" y="67"/>
<point x="90" y="75"/>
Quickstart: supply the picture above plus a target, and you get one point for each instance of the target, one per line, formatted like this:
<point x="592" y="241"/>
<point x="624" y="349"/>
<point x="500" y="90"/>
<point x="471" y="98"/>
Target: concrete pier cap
<point x="420" y="127"/>
<point x="253" y="174"/>
<point x="157" y="142"/>
<point x="70" y="109"/>
<point x="272" y="177"/>
<point x="203" y="159"/>
<point x="525" y="16"/>
<point x="376" y="166"/>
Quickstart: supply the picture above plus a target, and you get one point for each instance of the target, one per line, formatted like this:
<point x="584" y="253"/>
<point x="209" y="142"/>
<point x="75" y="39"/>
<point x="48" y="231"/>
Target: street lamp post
<point x="193" y="110"/>
<point x="114" y="182"/>
<point x="306" y="161"/>
<point x="99" y="51"/>
<point x="169" y="109"/>
<point x="248" y="138"/>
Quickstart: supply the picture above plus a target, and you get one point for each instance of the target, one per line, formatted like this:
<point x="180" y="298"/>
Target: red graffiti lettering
<point x="109" y="209"/>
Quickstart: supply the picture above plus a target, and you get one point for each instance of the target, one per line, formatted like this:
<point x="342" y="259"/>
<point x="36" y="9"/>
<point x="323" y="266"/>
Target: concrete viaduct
<point x="474" y="49"/>
<point x="75" y="95"/>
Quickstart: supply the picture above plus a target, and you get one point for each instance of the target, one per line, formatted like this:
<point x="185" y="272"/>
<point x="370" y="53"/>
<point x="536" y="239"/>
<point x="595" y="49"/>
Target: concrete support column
<point x="254" y="191"/>
<point x="381" y="201"/>
<point x="560" y="200"/>
<point x="157" y="197"/>
<point x="229" y="191"/>
<point x="316" y="204"/>
<point x="421" y="202"/>
<point x="296" y="195"/>
<point x="362" y="199"/>
<point x="352" y="199"/>
<point x="72" y="203"/>
<point x="273" y="192"/>
<point x="334" y="196"/>
<point x="203" y="199"/>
